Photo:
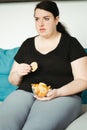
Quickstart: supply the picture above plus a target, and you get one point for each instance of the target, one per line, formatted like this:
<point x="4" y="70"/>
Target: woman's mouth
<point x="42" y="29"/>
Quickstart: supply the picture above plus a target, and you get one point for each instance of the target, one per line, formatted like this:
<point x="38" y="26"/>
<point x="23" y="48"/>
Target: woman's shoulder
<point x="71" y="43"/>
<point x="28" y="41"/>
<point x="68" y="37"/>
<point x="70" y="40"/>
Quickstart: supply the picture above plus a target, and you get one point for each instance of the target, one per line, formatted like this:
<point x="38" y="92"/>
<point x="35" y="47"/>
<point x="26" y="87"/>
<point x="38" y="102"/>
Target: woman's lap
<point x="55" y="114"/>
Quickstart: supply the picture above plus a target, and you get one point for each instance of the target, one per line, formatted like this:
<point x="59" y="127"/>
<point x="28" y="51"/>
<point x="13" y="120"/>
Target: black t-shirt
<point x="54" y="68"/>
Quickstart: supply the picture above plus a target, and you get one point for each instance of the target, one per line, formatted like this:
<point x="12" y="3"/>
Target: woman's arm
<point x="18" y="71"/>
<point x="79" y="70"/>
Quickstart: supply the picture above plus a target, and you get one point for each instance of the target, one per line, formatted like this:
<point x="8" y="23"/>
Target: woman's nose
<point x="41" y="23"/>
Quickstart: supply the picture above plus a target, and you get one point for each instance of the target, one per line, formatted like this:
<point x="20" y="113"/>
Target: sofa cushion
<point x="84" y="93"/>
<point x="79" y="124"/>
<point x="5" y="87"/>
<point x="84" y="97"/>
<point x="6" y="59"/>
<point x="86" y="50"/>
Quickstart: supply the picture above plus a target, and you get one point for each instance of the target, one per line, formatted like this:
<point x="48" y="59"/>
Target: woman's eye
<point x="36" y="19"/>
<point x="46" y="19"/>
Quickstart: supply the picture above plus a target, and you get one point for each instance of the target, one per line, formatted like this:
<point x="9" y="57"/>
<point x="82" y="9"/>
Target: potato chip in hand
<point x="34" y="66"/>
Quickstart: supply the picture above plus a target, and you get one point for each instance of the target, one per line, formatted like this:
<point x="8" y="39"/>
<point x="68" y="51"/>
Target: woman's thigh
<point x="14" y="110"/>
<point x="53" y="115"/>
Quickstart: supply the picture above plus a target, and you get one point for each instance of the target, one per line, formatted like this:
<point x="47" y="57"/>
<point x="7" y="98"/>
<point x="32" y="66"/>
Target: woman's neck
<point x="50" y="37"/>
<point x="45" y="45"/>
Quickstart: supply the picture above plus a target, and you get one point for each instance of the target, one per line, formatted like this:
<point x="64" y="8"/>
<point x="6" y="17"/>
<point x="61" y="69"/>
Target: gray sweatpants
<point x="21" y="111"/>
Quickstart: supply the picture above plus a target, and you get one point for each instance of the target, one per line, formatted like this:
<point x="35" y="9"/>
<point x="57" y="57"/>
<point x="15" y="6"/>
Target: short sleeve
<point x="19" y="57"/>
<point x="76" y="50"/>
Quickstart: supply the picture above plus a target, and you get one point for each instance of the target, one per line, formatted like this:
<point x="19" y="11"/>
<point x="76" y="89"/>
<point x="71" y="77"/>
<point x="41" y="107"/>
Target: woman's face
<point x="45" y="22"/>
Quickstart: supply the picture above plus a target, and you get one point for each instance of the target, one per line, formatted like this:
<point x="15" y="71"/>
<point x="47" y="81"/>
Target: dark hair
<point x="51" y="6"/>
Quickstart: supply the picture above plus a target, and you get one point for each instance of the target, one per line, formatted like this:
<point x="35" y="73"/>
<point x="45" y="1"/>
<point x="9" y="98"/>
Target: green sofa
<point x="6" y="61"/>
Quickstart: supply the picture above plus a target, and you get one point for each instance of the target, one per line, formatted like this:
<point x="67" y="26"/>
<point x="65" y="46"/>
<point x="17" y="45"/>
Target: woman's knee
<point x="20" y="96"/>
<point x="16" y="107"/>
<point x="19" y="103"/>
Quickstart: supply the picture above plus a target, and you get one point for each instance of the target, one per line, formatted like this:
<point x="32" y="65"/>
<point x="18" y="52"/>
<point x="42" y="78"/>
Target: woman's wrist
<point x="59" y="92"/>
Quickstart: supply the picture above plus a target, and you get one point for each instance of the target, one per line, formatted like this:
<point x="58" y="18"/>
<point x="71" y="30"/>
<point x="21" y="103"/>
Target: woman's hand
<point x="53" y="93"/>
<point x="23" y="69"/>
<point x="18" y="71"/>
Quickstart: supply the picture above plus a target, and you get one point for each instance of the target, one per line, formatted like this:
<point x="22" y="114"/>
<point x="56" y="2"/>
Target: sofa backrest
<point x="6" y="61"/>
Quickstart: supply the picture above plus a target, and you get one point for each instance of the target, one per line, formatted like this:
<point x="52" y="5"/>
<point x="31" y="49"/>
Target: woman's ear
<point x="57" y="19"/>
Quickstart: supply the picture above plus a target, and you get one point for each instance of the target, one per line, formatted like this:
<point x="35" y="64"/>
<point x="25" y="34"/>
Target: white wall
<point x="17" y="22"/>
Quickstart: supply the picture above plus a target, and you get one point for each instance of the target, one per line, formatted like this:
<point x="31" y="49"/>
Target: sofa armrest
<point x="81" y="122"/>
